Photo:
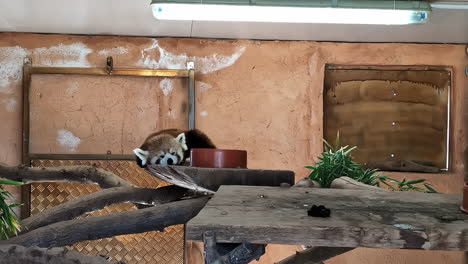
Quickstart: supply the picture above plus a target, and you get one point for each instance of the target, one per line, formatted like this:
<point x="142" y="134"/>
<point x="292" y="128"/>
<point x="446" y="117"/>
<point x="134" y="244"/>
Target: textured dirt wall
<point x="265" y="97"/>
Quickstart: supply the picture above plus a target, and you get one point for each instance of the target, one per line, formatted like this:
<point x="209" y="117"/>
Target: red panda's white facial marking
<point x="173" y="156"/>
<point x="169" y="160"/>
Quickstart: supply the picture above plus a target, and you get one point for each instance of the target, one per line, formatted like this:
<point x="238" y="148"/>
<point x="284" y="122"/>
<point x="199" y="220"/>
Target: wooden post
<point x="465" y="153"/>
<point x="211" y="254"/>
<point x="465" y="124"/>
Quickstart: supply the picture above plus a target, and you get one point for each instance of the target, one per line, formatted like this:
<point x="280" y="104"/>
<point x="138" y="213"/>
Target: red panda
<point x="171" y="147"/>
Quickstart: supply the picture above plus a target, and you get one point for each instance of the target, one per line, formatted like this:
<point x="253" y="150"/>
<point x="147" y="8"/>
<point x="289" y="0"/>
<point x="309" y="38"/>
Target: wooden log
<point x="98" y="200"/>
<point x="348" y="183"/>
<point x="80" y="174"/>
<point x="306" y="183"/>
<point x="209" y="242"/>
<point x="274" y="215"/>
<point x="213" y="178"/>
<point x="132" y="222"/>
<point x="16" y="254"/>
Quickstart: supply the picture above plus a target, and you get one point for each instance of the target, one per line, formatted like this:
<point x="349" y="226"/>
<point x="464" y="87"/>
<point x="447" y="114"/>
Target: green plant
<point x="9" y="223"/>
<point x="336" y="162"/>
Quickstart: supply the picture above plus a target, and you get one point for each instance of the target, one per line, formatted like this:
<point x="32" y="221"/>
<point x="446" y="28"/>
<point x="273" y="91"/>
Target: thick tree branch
<point x="91" y="228"/>
<point x="15" y="254"/>
<point x="339" y="183"/>
<point x="81" y="174"/>
<point x="314" y="255"/>
<point x="98" y="200"/>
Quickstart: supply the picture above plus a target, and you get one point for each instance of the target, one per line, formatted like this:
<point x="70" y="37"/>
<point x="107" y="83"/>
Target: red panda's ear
<point x="181" y="140"/>
<point x="142" y="155"/>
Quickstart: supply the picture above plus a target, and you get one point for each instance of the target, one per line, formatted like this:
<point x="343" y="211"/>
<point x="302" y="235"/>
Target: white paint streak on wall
<point x="203" y="86"/>
<point x="217" y="62"/>
<point x="11" y="67"/>
<point x="204" y="113"/>
<point x="113" y="51"/>
<point x="72" y="88"/>
<point x="66" y="139"/>
<point x="166" y="86"/>
<point x="172" y="61"/>
<point x="10" y="104"/>
<point x="73" y="55"/>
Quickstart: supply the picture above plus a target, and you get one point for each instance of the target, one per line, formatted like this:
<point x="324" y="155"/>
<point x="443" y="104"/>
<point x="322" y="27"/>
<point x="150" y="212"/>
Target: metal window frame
<point x="29" y="70"/>
<point x="450" y="121"/>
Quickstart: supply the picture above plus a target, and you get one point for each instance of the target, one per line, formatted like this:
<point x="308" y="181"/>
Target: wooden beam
<point x="212" y="178"/>
<point x="272" y="215"/>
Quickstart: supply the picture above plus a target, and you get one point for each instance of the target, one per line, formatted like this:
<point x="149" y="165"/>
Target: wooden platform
<point x="275" y="215"/>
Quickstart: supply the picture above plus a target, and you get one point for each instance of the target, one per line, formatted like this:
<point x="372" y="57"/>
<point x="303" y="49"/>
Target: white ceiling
<point x="133" y="18"/>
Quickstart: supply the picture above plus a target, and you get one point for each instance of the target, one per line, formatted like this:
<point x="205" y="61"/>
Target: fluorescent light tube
<point x="281" y="14"/>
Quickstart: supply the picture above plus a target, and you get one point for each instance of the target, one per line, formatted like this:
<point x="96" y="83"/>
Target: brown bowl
<point x="464" y="206"/>
<point x="218" y="158"/>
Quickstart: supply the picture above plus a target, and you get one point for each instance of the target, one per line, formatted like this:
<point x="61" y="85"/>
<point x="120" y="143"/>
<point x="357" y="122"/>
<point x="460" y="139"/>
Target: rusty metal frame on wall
<point x="29" y="70"/>
<point x="448" y="69"/>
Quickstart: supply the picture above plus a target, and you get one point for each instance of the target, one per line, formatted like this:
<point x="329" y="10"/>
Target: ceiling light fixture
<point x="381" y="12"/>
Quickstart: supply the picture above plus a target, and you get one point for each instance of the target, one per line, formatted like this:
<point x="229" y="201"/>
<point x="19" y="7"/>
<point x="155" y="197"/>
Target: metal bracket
<point x="230" y="253"/>
<point x="190" y="65"/>
<point x="109" y="65"/>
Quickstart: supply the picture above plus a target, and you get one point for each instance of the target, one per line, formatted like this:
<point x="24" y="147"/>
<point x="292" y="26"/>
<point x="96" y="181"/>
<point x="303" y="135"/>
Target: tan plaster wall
<point x="96" y="115"/>
<point x="263" y="96"/>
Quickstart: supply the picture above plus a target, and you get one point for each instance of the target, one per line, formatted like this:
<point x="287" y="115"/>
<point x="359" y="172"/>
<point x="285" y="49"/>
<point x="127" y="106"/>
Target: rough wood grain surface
<point x="81" y="174"/>
<point x="271" y="215"/>
<point x="212" y="178"/>
<point x="98" y="200"/>
<point x="130" y="222"/>
<point x="16" y="254"/>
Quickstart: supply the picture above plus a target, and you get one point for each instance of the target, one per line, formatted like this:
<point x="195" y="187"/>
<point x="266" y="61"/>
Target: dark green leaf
<point x="8" y="182"/>
<point x="416" y="181"/>
<point x="429" y="188"/>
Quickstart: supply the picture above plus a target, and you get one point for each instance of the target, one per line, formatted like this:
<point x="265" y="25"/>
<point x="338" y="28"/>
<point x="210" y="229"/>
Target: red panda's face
<point x="163" y="150"/>
<point x="172" y="156"/>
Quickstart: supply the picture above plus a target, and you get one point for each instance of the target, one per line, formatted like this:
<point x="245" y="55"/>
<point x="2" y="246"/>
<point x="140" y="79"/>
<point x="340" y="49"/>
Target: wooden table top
<point x="275" y="215"/>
